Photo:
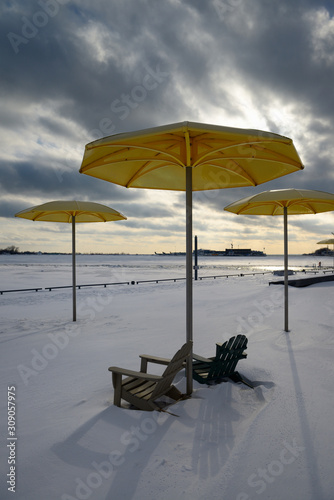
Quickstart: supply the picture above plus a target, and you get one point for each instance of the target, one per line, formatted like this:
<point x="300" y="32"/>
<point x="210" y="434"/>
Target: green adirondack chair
<point x="142" y="389"/>
<point x="214" y="370"/>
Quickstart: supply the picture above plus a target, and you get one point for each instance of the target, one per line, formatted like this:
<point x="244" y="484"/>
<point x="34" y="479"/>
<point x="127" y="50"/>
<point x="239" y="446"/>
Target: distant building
<point x="232" y="252"/>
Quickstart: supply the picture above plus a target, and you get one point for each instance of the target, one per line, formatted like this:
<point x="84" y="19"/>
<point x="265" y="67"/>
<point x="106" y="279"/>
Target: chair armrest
<point x="155" y="359"/>
<point x="132" y="373"/>
<point x="145" y="358"/>
<point x="197" y="357"/>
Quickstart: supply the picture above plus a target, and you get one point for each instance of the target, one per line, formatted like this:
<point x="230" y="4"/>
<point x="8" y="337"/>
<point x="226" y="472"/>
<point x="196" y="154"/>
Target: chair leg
<point x="174" y="393"/>
<point x="236" y="377"/>
<point x="117" y="383"/>
<point x="143" y="365"/>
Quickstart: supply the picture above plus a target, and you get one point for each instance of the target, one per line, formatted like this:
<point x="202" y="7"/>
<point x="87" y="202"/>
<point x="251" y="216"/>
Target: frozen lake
<point x="27" y="271"/>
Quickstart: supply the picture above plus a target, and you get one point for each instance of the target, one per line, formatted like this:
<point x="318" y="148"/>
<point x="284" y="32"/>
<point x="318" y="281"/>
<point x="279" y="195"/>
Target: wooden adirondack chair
<point x="215" y="369"/>
<point x="142" y="389"/>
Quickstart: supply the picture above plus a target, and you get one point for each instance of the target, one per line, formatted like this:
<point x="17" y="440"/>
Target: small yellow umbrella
<point x="71" y="212"/>
<point x="329" y="241"/>
<point x="190" y="157"/>
<point x="282" y="202"/>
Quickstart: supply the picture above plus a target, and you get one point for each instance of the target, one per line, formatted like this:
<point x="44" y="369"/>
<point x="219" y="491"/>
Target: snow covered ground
<point x="227" y="442"/>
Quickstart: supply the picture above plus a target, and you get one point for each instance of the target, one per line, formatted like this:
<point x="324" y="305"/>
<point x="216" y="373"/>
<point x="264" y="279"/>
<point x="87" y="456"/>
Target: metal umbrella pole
<point x="196" y="260"/>
<point x="286" y="299"/>
<point x="189" y="278"/>
<point x="74" y="271"/>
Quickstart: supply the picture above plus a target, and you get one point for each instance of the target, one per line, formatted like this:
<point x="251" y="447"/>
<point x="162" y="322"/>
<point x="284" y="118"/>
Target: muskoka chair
<point x="142" y="389"/>
<point x="214" y="370"/>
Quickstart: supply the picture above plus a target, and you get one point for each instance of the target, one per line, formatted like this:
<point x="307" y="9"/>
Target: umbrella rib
<point x="233" y="163"/>
<point x="242" y="171"/>
<point x="236" y="168"/>
<point x="304" y="203"/>
<point x="141" y="173"/>
<point x="36" y="217"/>
<point x="104" y="158"/>
<point x="281" y="157"/>
<point x="278" y="206"/>
<point x="253" y="205"/>
<point x="222" y="150"/>
<point x="251" y="144"/>
<point x="75" y="213"/>
<point x="188" y="149"/>
<point x="78" y="213"/>
<point x="39" y="215"/>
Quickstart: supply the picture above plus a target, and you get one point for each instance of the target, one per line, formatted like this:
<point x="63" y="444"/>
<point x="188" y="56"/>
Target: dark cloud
<point x="8" y="208"/>
<point x="311" y="224"/>
<point x="22" y="182"/>
<point x="144" y="211"/>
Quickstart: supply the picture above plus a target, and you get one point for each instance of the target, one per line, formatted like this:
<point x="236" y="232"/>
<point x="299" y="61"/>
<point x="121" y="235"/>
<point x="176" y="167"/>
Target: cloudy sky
<point x="73" y="71"/>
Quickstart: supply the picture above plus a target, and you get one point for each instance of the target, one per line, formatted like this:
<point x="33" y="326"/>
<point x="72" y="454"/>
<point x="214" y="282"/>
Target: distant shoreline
<point x="67" y="253"/>
<point x="171" y="254"/>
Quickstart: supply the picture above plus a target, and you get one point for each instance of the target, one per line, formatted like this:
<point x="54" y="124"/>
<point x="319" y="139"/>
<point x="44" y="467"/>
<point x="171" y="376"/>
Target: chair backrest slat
<point x="227" y="357"/>
<point x="174" y="366"/>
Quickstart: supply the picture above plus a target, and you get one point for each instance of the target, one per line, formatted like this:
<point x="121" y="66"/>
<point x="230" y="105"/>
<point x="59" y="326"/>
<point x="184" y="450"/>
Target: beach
<point x="228" y="441"/>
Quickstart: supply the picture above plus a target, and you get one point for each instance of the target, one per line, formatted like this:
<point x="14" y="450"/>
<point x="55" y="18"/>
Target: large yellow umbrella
<point x="282" y="202"/>
<point x="190" y="157"/>
<point x="71" y="212"/>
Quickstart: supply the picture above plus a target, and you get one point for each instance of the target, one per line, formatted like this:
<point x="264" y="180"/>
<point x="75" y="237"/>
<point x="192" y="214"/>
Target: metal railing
<point x="21" y="290"/>
<point x="159" y="280"/>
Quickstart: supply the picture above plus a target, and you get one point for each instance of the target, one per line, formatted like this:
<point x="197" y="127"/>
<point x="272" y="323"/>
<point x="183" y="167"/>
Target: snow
<point x="227" y="442"/>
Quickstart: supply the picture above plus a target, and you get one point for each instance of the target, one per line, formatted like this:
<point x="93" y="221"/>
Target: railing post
<point x="196" y="259"/>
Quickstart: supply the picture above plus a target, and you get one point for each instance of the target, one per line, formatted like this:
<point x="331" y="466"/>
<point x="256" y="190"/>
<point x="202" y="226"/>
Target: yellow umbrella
<point x="326" y="242"/>
<point x="71" y="212"/>
<point x="282" y="202"/>
<point x="190" y="157"/>
<point x="329" y="241"/>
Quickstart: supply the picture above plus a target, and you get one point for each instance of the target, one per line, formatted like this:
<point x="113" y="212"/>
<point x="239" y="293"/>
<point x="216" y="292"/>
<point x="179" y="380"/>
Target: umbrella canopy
<point x="282" y="202"/>
<point x="190" y="157"/>
<point x="64" y="211"/>
<point x="297" y="201"/>
<point x="71" y="212"/>
<point x="329" y="241"/>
